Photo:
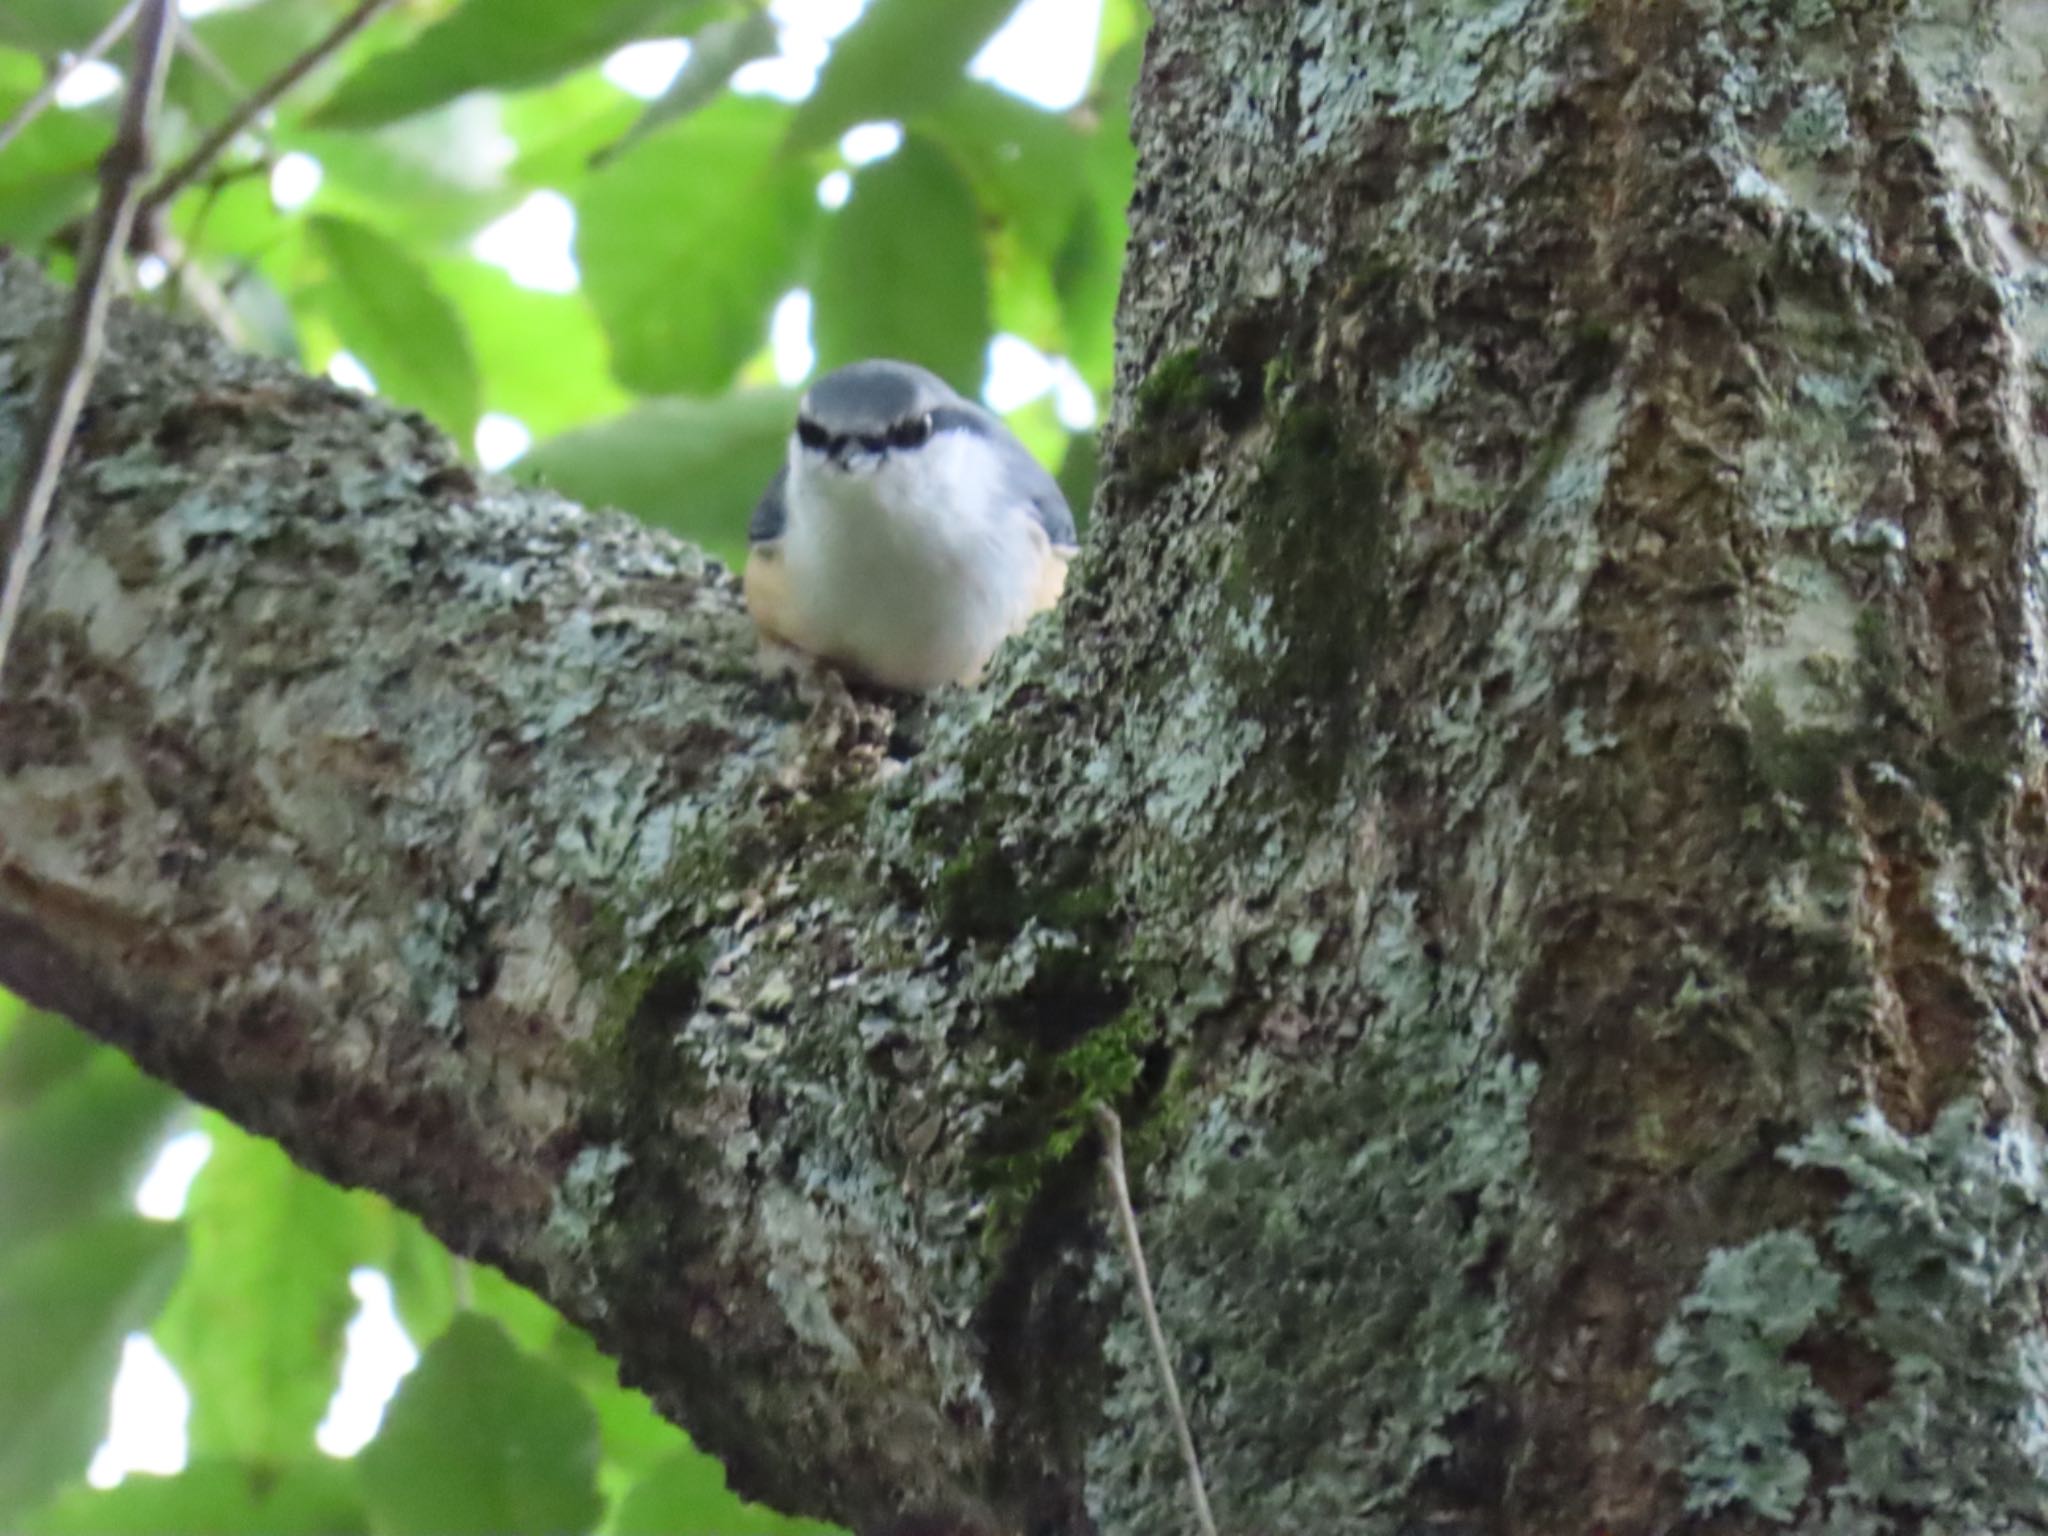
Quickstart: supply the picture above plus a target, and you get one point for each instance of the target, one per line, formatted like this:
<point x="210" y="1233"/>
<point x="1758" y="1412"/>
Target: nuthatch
<point x="908" y="534"/>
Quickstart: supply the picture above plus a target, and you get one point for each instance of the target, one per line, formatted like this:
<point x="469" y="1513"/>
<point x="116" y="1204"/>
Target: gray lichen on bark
<point x="1677" y="361"/>
<point x="1532" y="811"/>
<point x="1943" y="1240"/>
<point x="371" y="804"/>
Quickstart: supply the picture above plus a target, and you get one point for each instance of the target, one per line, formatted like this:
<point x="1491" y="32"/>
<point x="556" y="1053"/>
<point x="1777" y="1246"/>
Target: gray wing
<point x="1029" y="481"/>
<point x="1041" y="492"/>
<point x="771" y="512"/>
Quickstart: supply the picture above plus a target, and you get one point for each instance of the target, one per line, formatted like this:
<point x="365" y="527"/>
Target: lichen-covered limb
<point x="409" y="820"/>
<point x="1532" y="813"/>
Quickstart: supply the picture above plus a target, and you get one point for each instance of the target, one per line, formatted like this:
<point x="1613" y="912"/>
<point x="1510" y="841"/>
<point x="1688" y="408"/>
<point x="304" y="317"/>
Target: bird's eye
<point x="914" y="433"/>
<point x="811" y="435"/>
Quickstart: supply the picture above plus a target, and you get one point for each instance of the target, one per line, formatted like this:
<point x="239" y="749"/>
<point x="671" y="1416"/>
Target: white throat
<point x="910" y="566"/>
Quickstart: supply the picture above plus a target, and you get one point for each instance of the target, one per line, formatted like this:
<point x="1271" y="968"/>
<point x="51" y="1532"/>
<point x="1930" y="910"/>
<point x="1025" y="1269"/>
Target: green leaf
<point x="1078" y="472"/>
<point x="495" y="44"/>
<point x="686" y="1496"/>
<point x="1123" y="23"/>
<point x="901" y="58"/>
<point x="687" y="243"/>
<point x="215" y="1498"/>
<point x="48" y="26"/>
<point x="80" y="1149"/>
<point x="695" y="467"/>
<point x="266" y="323"/>
<point x="529" y="1322"/>
<point x="256" y="1325"/>
<point x="65" y="1306"/>
<point x="482" y="1439"/>
<point x="250" y="44"/>
<point x="541" y="355"/>
<point x="388" y="312"/>
<point x="635" y="1437"/>
<point x="233" y="218"/>
<point x="422" y="1275"/>
<point x="715" y="53"/>
<point x="562" y="129"/>
<point x="1038" y="428"/>
<point x="430" y="181"/>
<point x="1023" y="299"/>
<point x="49" y="175"/>
<point x="1089" y="269"/>
<point x="39" y="1051"/>
<point x="902" y="273"/>
<point x="1028" y="167"/>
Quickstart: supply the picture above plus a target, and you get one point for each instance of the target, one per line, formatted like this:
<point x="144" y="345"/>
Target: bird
<point x="907" y="534"/>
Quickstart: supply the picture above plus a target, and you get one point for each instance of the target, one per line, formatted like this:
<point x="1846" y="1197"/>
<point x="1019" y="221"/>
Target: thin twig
<point x="39" y="103"/>
<point x="1127" y="1219"/>
<point x="78" y="347"/>
<point x="259" y="101"/>
<point x="193" y="46"/>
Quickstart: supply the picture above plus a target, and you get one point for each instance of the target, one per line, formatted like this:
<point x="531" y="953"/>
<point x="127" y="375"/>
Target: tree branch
<point x="568" y="1012"/>
<point x="39" y="103"/>
<point x="259" y="101"/>
<point x="77" y="354"/>
<point x="1546" y="726"/>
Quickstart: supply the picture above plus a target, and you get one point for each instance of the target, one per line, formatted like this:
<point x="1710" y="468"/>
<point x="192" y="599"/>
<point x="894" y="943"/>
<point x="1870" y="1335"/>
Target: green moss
<point x="1081" y="1044"/>
<point x="1104" y="1067"/>
<point x="977" y="896"/>
<point x="1805" y="763"/>
<point x="1313" y="577"/>
<point x="1884" y="674"/>
<point x="1299" y="1260"/>
<point x="635" y="1063"/>
<point x="1381" y="268"/>
<point x="1184" y="384"/>
<point x="1050" y="1116"/>
<point x="1049" y="922"/>
<point x="1168" y="1118"/>
<point x="625" y="1206"/>
<point x="1969" y="788"/>
<point x="1970" y="784"/>
<point x="1276" y="378"/>
<point x="1175" y="404"/>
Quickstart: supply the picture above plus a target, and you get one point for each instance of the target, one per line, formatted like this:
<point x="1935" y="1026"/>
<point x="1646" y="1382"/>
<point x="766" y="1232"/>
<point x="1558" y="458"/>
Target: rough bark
<point x="1534" y="810"/>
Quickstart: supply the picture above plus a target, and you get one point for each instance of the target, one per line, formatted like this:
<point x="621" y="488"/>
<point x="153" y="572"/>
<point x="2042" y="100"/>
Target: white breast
<point x="908" y="570"/>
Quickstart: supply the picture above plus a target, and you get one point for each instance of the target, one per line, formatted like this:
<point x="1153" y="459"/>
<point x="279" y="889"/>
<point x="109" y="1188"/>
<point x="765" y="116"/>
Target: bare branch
<point x="193" y="46"/>
<point x="259" y="101"/>
<point x="39" y="103"/>
<point x="1134" y="1250"/>
<point x="70" y="376"/>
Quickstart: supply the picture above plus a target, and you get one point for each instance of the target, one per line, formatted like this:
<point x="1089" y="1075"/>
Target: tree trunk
<point x="1533" y="811"/>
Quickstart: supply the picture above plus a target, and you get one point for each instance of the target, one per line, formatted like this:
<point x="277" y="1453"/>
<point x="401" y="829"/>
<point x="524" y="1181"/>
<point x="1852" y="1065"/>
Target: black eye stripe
<point x="912" y="433"/>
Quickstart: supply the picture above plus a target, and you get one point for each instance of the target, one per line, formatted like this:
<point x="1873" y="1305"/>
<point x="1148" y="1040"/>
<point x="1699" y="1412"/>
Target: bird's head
<point x="865" y="416"/>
